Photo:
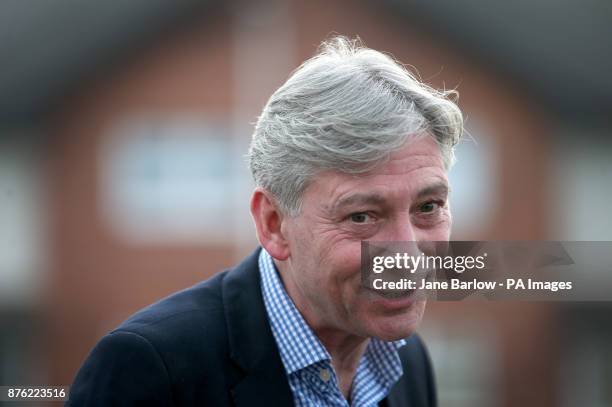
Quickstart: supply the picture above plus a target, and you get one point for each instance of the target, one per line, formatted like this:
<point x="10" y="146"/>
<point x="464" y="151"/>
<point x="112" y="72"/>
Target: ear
<point x="268" y="221"/>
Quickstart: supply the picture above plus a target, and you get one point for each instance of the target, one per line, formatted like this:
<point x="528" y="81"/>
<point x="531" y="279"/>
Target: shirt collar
<point x="298" y="346"/>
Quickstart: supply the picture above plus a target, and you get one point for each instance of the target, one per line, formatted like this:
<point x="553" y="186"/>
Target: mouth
<point x="392" y="300"/>
<point x="392" y="294"/>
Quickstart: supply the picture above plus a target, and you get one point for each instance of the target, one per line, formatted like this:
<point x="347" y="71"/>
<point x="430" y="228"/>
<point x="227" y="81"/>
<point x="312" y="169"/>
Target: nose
<point x="402" y="230"/>
<point x="412" y="241"/>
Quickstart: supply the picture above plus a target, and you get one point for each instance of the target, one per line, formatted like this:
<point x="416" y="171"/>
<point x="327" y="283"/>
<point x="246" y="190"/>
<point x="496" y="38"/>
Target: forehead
<point x="418" y="153"/>
<point x="416" y="168"/>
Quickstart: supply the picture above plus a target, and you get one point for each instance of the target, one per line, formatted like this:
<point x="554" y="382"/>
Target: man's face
<point x="403" y="200"/>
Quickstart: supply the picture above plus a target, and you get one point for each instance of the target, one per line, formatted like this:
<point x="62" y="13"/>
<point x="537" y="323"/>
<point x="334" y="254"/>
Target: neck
<point x="345" y="349"/>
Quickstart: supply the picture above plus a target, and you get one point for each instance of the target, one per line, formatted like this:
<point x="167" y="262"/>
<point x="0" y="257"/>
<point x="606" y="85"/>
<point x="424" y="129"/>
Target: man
<point x="351" y="148"/>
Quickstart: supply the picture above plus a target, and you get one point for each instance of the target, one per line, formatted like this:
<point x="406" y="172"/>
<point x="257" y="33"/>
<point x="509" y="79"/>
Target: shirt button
<point x="324" y="374"/>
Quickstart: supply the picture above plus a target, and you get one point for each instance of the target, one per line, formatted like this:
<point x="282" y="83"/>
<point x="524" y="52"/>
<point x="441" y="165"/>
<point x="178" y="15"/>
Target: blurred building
<point x="123" y="127"/>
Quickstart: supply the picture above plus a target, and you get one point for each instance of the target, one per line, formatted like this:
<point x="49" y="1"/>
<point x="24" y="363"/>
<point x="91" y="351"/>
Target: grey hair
<point x="346" y="109"/>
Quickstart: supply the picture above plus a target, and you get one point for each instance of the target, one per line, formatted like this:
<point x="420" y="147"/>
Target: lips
<point x="393" y="294"/>
<point x="387" y="297"/>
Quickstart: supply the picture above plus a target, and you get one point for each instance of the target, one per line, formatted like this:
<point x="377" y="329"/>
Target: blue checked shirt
<point x="307" y="363"/>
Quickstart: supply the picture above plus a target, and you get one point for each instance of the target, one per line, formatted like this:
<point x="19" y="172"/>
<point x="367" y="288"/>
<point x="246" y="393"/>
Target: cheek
<point x="445" y="229"/>
<point x="348" y="278"/>
<point x="334" y="249"/>
<point x="438" y="232"/>
<point x="329" y="260"/>
<point x="342" y="275"/>
<point x="347" y="256"/>
<point x="442" y="234"/>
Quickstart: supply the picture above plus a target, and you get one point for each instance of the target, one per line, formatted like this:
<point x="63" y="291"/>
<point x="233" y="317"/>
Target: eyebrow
<point x="439" y="188"/>
<point x="359" y="199"/>
<point x="377" y="199"/>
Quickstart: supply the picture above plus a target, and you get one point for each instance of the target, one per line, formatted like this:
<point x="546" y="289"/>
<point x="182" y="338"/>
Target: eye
<point x="359" y="217"/>
<point x="429" y="207"/>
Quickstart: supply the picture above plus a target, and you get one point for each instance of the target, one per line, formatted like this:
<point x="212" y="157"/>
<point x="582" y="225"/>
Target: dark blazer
<point x="211" y="345"/>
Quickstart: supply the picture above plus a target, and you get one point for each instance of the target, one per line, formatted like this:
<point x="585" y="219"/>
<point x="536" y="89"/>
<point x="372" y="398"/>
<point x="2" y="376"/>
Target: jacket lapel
<point x="395" y="399"/>
<point x="251" y="343"/>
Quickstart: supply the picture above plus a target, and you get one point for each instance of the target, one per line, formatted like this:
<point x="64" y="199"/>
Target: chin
<point x="393" y="328"/>
<point x="395" y="334"/>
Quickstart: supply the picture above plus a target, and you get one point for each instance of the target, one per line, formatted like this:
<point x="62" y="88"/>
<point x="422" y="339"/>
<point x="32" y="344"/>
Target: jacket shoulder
<point x="175" y="351"/>
<point x="182" y="313"/>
